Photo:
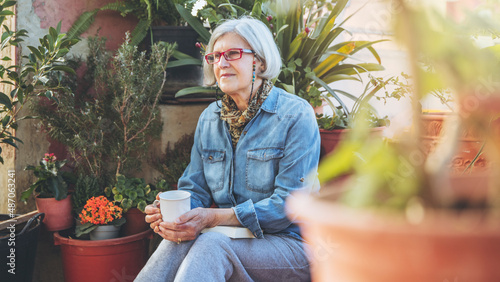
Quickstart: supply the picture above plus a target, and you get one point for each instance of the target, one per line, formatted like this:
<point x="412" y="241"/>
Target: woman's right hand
<point x="153" y="215"/>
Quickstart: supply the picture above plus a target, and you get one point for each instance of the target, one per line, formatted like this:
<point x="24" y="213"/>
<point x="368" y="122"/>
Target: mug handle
<point x="156" y="203"/>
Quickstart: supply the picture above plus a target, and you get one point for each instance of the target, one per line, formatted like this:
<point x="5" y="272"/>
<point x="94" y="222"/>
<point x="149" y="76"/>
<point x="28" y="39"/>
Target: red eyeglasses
<point x="230" y="55"/>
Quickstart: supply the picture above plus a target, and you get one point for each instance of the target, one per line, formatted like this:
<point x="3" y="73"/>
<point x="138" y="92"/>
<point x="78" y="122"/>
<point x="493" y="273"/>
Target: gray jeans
<point x="216" y="257"/>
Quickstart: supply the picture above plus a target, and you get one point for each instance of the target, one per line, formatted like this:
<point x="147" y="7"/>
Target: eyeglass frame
<point x="223" y="53"/>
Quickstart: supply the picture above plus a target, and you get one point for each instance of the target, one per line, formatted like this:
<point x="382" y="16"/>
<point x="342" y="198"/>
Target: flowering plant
<point x="99" y="211"/>
<point x="51" y="181"/>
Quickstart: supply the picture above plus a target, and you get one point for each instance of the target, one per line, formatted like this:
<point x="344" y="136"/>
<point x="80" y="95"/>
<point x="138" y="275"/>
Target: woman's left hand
<point x="188" y="226"/>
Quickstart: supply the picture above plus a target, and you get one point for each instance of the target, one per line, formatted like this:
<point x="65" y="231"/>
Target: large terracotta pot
<point x="331" y="138"/>
<point x="372" y="246"/>
<point x="135" y="222"/>
<point x="57" y="213"/>
<point x="118" y="259"/>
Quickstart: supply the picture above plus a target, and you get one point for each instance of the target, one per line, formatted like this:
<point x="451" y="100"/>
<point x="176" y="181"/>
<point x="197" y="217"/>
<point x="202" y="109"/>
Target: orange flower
<point x="100" y="211"/>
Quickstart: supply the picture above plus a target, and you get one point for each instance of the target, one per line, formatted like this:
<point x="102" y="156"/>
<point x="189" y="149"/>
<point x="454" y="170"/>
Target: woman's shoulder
<point x="211" y="111"/>
<point x="288" y="102"/>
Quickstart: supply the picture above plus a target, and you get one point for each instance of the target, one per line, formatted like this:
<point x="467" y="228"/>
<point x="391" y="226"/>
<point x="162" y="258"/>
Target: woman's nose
<point x="223" y="63"/>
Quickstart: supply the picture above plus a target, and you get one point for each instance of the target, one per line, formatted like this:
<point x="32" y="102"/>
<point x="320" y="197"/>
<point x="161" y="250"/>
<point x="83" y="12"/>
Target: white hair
<point x="260" y="39"/>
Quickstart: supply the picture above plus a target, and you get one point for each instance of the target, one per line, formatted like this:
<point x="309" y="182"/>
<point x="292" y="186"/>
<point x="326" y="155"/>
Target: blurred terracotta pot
<point x="358" y="245"/>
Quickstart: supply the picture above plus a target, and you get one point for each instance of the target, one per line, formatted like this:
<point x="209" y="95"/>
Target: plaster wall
<point x="8" y="152"/>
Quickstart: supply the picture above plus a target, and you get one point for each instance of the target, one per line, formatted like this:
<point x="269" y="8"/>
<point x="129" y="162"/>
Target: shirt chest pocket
<point x="213" y="169"/>
<point x="261" y="169"/>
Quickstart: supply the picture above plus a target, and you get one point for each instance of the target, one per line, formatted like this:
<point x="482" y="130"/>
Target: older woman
<point x="251" y="150"/>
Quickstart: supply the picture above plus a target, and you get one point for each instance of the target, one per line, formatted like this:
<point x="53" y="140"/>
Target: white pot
<point x="104" y="232"/>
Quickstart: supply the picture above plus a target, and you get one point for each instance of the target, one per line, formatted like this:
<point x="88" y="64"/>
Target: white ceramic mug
<point x="174" y="204"/>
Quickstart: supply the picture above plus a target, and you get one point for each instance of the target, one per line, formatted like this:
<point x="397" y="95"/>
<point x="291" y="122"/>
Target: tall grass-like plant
<point x="305" y="31"/>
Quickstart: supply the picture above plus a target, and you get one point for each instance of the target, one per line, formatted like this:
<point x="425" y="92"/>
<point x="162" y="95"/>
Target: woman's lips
<point x="226" y="75"/>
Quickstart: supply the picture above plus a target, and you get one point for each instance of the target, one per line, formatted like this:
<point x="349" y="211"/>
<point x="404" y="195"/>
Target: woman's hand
<point x="188" y="226"/>
<point x="153" y="215"/>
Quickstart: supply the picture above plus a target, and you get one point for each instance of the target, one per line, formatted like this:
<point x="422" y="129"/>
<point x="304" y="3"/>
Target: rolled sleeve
<point x="246" y="215"/>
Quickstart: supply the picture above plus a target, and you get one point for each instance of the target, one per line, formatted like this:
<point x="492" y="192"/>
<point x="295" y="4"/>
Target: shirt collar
<point x="270" y="105"/>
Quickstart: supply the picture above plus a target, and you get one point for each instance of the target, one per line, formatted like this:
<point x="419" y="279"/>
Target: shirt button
<point x="210" y="158"/>
<point x="302" y="179"/>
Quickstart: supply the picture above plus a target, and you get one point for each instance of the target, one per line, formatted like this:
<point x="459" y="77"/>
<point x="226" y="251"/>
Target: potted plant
<point x="28" y="79"/>
<point x="107" y="117"/>
<point x="52" y="196"/>
<point x="101" y="218"/>
<point x="158" y="21"/>
<point x="304" y="32"/>
<point x="401" y="216"/>
<point x="132" y="195"/>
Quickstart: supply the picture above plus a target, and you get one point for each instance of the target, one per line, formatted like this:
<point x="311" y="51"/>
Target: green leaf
<point x="139" y="32"/>
<point x="119" y="222"/>
<point x="330" y="91"/>
<point x="141" y="205"/>
<point x="36" y="52"/>
<point x="184" y="62"/>
<point x="8" y="4"/>
<point x="84" y="229"/>
<point x="27" y="193"/>
<point x="195" y="23"/>
<point x="64" y="68"/>
<point x="5" y="100"/>
<point x="6" y="13"/>
<point x="195" y="90"/>
<point x="118" y="197"/>
<point x="81" y="24"/>
<point x="6" y="120"/>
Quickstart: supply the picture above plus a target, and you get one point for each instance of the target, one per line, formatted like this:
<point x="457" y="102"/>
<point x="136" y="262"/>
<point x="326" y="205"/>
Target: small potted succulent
<point x="101" y="218"/>
<point x="51" y="188"/>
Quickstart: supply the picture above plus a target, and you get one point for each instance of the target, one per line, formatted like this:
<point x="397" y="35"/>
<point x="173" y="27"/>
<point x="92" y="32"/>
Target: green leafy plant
<point x="86" y="187"/>
<point x="396" y="174"/>
<point x="131" y="193"/>
<point x="109" y="119"/>
<point x="51" y="181"/>
<point x="28" y="79"/>
<point x="172" y="164"/>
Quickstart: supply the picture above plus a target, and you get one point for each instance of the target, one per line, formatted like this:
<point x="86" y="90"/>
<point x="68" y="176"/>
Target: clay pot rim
<point x="306" y="208"/>
<point x="60" y="240"/>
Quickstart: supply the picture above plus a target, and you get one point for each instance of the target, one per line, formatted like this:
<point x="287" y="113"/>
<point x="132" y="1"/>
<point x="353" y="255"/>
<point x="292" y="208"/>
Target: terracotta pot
<point x="359" y="245"/>
<point x="57" y="213"/>
<point x="470" y="144"/>
<point x="118" y="259"/>
<point x="135" y="223"/>
<point x="331" y="138"/>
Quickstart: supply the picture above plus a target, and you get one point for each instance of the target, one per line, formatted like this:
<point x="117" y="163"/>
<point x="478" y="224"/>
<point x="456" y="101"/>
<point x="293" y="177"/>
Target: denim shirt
<point x="275" y="155"/>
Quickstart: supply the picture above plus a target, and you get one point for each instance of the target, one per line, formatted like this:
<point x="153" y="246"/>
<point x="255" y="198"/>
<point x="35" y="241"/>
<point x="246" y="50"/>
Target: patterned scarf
<point x="237" y="119"/>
